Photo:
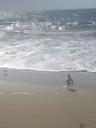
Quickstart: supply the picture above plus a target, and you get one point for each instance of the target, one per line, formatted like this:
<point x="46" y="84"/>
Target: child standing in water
<point x="69" y="81"/>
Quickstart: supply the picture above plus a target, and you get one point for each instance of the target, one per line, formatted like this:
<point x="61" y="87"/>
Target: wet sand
<point x="26" y="104"/>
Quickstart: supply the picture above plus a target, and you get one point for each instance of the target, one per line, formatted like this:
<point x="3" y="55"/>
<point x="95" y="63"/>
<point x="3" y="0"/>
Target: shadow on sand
<point x="72" y="89"/>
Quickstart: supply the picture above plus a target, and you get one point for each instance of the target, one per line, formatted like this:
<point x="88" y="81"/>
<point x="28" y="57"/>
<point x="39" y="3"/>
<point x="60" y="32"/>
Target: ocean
<point x="58" y="40"/>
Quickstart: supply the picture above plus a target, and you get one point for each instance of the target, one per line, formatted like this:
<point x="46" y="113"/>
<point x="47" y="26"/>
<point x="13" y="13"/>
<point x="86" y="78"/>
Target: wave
<point x="48" y="41"/>
<point x="61" y="53"/>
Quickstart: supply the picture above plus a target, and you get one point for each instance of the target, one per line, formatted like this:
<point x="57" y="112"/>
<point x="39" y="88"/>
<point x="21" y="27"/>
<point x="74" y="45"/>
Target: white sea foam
<point x="2" y="93"/>
<point x="46" y="44"/>
<point x="23" y="93"/>
<point x="49" y="53"/>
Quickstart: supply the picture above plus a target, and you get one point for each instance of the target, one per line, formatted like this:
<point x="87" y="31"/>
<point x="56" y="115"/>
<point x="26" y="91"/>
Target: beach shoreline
<point x="80" y="78"/>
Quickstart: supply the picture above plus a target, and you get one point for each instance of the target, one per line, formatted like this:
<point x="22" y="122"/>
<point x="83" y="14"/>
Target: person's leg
<point x="68" y="84"/>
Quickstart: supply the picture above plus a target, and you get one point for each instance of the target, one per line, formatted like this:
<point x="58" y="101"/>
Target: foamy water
<point x="36" y="41"/>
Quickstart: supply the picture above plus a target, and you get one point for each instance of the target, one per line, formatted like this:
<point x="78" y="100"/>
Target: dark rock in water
<point x="5" y="72"/>
<point x="83" y="125"/>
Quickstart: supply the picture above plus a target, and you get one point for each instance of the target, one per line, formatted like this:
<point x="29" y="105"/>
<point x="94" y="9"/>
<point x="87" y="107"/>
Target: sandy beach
<point x="34" y="99"/>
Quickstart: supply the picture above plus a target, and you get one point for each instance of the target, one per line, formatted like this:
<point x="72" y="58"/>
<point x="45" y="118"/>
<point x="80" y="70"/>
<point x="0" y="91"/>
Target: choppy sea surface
<point x="61" y="40"/>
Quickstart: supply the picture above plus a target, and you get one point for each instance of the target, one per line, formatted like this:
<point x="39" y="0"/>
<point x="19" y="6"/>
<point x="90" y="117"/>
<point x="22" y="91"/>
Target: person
<point x="69" y="81"/>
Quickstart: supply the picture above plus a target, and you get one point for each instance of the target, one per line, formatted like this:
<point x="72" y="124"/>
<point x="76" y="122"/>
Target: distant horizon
<point x="35" y="10"/>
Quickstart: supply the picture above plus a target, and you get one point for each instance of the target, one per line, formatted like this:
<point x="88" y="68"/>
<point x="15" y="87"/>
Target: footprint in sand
<point x="83" y="125"/>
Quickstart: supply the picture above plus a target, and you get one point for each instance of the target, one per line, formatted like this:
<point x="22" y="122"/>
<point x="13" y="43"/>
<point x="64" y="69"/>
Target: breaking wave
<point x="48" y="41"/>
